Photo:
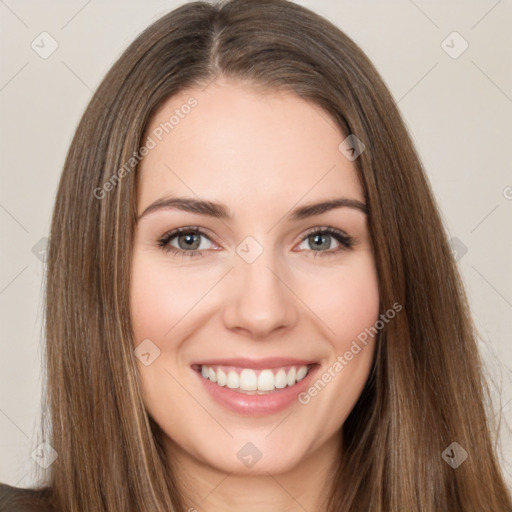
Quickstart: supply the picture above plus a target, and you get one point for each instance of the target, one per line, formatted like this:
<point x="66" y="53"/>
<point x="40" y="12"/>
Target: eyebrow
<point x="221" y="211"/>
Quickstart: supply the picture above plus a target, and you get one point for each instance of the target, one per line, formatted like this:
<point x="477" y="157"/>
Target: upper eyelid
<point x="326" y="229"/>
<point x="203" y="232"/>
<point x="171" y="234"/>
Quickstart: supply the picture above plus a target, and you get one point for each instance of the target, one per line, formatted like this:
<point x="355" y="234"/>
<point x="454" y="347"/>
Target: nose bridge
<point x="259" y="300"/>
<point x="258" y="266"/>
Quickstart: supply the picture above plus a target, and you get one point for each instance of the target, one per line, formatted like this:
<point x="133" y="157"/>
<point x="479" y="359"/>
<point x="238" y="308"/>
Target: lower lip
<point x="257" y="405"/>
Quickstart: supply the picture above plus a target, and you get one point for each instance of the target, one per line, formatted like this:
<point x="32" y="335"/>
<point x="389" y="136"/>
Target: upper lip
<point x="256" y="364"/>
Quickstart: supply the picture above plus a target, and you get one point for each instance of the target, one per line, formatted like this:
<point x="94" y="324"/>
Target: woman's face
<point x="254" y="292"/>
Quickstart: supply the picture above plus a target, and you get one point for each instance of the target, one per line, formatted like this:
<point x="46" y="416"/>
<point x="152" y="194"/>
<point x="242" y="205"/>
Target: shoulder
<point x="16" y="499"/>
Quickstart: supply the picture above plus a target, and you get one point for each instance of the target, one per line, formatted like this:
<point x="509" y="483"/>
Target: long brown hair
<point x="426" y="389"/>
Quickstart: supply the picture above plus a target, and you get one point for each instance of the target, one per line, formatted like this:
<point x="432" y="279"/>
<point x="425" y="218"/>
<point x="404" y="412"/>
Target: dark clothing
<point x="16" y="499"/>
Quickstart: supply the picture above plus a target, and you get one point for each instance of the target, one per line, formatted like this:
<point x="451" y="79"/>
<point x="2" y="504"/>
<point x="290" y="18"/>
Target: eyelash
<point x="346" y="242"/>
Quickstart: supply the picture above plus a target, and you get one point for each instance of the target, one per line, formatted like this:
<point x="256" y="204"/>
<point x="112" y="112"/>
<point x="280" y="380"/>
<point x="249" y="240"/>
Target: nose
<point x="261" y="299"/>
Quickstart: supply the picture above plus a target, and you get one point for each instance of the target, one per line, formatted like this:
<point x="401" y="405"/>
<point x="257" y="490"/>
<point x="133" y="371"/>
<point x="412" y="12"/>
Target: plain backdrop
<point x="454" y="91"/>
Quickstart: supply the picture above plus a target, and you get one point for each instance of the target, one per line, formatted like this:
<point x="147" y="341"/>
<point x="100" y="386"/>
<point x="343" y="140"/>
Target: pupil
<point x="190" y="243"/>
<point x="318" y="243"/>
<point x="192" y="239"/>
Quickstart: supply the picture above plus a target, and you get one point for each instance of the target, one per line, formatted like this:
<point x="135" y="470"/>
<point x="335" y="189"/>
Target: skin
<point x="262" y="155"/>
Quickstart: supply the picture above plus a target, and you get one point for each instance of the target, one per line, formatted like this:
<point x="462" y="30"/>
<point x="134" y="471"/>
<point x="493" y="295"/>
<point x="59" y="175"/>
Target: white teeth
<point x="280" y="380"/>
<point x="266" y="381"/>
<point x="301" y="373"/>
<point x="222" y="378"/>
<point x="233" y="381"/>
<point x="290" y="378"/>
<point x="249" y="380"/>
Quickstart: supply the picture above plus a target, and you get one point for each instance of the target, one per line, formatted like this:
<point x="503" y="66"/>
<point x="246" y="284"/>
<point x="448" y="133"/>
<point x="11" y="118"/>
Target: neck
<point x="303" y="487"/>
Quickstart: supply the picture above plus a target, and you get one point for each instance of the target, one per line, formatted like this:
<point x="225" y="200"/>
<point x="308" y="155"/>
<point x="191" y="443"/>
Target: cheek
<point x="348" y="301"/>
<point x="161" y="297"/>
<point x="167" y="307"/>
<point x="348" y="304"/>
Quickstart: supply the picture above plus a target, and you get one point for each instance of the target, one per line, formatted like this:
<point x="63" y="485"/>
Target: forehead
<point x="244" y="146"/>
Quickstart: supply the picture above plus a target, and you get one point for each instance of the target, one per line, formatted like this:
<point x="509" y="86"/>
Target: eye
<point x="185" y="241"/>
<point x="320" y="239"/>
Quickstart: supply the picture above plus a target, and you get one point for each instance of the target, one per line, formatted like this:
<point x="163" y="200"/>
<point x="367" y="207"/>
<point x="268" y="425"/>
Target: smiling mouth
<point x="251" y="381"/>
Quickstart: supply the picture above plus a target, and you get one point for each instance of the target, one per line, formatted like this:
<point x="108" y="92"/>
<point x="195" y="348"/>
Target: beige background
<point x="458" y="110"/>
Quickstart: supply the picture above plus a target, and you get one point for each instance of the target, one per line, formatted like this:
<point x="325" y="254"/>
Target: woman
<point x="251" y="303"/>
